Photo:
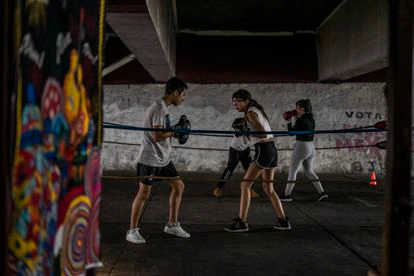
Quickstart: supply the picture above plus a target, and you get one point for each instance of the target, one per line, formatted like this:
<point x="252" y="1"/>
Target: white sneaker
<point x="176" y="230"/>
<point x="134" y="236"/>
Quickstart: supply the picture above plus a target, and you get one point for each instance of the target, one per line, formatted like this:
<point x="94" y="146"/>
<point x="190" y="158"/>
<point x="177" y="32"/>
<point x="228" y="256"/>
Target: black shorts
<point x="145" y="170"/>
<point x="265" y="156"/>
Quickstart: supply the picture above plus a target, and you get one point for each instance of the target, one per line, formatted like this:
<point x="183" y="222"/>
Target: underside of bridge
<point x="246" y="41"/>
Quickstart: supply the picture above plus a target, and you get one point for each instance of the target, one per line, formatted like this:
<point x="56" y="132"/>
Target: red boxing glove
<point x="381" y="125"/>
<point x="289" y="114"/>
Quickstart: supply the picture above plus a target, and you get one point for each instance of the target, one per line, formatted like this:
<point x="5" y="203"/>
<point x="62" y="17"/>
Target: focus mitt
<point x="181" y="130"/>
<point x="240" y="124"/>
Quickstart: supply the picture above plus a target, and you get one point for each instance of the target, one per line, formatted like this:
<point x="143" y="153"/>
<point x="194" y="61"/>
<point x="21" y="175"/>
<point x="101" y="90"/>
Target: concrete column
<point x="398" y="209"/>
<point x="163" y="16"/>
<point x="149" y="32"/>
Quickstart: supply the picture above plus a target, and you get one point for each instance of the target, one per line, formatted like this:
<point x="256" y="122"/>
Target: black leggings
<point x="235" y="156"/>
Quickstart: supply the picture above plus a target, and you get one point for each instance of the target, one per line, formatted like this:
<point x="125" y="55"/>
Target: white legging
<point x="303" y="154"/>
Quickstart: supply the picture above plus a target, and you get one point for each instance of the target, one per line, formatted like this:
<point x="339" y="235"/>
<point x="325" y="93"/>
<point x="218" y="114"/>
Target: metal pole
<point x="117" y="64"/>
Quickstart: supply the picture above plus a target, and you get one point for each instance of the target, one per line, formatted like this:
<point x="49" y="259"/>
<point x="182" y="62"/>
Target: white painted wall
<point x="209" y="107"/>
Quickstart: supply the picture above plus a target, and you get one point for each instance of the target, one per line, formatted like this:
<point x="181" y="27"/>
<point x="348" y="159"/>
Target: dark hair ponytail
<point x="245" y="95"/>
<point x="305" y="104"/>
<point x="258" y="106"/>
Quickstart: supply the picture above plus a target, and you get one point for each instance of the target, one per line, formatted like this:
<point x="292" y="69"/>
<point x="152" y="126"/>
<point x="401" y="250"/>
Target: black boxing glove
<point x="239" y="124"/>
<point x="289" y="114"/>
<point x="180" y="128"/>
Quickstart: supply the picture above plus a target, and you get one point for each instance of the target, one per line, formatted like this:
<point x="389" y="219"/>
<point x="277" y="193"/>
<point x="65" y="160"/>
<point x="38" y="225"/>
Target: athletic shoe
<point x="238" y="226"/>
<point x="283" y="225"/>
<point x="322" y="196"/>
<point x="285" y="198"/>
<point x="176" y="231"/>
<point x="217" y="192"/>
<point x="134" y="236"/>
<point x="253" y="194"/>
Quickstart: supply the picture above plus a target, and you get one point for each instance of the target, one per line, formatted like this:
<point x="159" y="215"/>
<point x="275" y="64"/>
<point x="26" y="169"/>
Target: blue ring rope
<point x="229" y="133"/>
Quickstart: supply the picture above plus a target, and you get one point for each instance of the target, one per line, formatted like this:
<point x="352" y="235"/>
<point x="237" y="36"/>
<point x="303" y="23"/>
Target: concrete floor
<point x="341" y="236"/>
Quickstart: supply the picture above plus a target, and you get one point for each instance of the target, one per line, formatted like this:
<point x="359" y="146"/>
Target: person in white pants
<point x="304" y="151"/>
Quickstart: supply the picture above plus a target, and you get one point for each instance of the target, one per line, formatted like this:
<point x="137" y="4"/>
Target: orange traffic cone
<point x="373" y="179"/>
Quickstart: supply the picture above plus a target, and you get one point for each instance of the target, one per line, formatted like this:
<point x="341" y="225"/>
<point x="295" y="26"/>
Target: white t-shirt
<point x="152" y="153"/>
<point x="240" y="143"/>
<point x="263" y="121"/>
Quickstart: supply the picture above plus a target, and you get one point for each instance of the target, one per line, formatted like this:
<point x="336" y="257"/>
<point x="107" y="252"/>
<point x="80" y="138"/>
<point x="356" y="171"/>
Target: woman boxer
<point x="264" y="161"/>
<point x="304" y="151"/>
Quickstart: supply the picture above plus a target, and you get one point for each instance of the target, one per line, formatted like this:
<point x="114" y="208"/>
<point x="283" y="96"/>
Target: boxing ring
<point x="341" y="234"/>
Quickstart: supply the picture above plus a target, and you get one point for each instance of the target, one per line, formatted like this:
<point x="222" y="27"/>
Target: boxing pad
<point x="181" y="130"/>
<point x="289" y="114"/>
<point x="239" y="124"/>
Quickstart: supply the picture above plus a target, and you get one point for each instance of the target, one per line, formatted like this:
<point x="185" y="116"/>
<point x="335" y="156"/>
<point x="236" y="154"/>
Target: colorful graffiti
<point x="56" y="168"/>
<point x="363" y="142"/>
<point x="356" y="142"/>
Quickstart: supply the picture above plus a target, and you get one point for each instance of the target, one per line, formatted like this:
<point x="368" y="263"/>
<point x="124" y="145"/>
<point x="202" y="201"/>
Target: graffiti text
<point x="362" y="115"/>
<point x="27" y="48"/>
<point x="62" y="42"/>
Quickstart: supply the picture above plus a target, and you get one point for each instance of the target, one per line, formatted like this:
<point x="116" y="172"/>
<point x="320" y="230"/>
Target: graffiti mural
<point x="56" y="168"/>
<point x="356" y="141"/>
<point x="363" y="142"/>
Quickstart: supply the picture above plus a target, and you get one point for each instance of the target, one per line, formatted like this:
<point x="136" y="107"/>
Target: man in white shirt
<point x="154" y="159"/>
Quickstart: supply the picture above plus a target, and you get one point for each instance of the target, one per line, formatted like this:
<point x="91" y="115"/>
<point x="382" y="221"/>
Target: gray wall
<point x="209" y="107"/>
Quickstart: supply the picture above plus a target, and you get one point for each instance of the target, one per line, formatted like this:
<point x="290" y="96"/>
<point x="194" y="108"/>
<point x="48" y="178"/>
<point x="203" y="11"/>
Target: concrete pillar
<point x="398" y="208"/>
<point x="164" y="18"/>
<point x="149" y="32"/>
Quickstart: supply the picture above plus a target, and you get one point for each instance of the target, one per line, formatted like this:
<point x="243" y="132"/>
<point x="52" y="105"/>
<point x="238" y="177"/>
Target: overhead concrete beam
<point x="353" y="40"/>
<point x="150" y="34"/>
<point x="242" y="33"/>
